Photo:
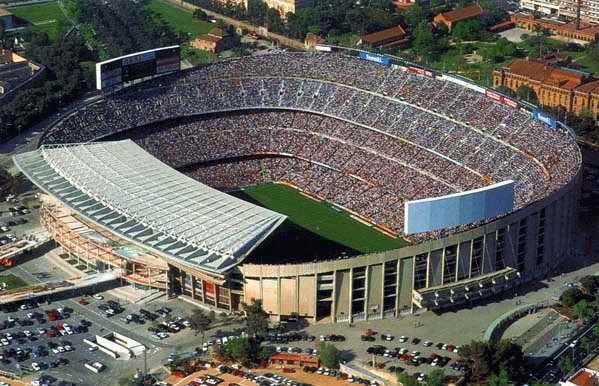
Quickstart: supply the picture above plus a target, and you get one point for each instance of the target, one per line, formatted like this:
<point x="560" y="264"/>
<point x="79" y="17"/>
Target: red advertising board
<point x="209" y="288"/>
<point x="494" y="95"/>
<point x="510" y="103"/>
<point x="416" y="70"/>
<point x="421" y="72"/>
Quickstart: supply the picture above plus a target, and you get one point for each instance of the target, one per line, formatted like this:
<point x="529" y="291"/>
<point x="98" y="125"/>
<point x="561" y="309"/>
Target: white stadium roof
<point x="122" y="187"/>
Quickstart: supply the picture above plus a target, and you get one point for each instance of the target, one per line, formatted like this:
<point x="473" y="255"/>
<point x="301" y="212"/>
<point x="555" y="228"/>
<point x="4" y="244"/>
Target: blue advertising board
<point x="380" y="59"/>
<point x="435" y="213"/>
<point x="546" y="119"/>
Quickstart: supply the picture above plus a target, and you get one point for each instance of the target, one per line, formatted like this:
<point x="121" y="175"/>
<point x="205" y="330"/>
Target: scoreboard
<point x="138" y="65"/>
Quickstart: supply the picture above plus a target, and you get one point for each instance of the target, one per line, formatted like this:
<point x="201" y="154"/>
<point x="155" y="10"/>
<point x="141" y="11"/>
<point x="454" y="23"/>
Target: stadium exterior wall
<point x="483" y="261"/>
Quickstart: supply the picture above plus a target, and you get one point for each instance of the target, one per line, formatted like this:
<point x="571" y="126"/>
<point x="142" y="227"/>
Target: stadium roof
<point x="122" y="187"/>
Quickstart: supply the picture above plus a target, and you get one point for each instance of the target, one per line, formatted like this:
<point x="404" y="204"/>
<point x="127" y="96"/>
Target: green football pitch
<point x="313" y="230"/>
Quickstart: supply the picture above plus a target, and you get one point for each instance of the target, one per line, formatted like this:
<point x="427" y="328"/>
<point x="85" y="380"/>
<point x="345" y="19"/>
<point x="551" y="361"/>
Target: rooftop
<point x="547" y="74"/>
<point x="4" y="12"/>
<point x="120" y="186"/>
<point x="468" y="12"/>
<point x="378" y="37"/>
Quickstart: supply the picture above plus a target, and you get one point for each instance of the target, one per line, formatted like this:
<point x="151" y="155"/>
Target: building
<point x="569" y="31"/>
<point x="449" y="19"/>
<point x="546" y="7"/>
<point x="288" y="6"/>
<point x="16" y="72"/>
<point x="405" y="4"/>
<point x="555" y="87"/>
<point x="583" y="377"/>
<point x="387" y="37"/>
<point x="216" y="40"/>
<point x="285" y="359"/>
<point x="6" y="19"/>
<point x="589" y="10"/>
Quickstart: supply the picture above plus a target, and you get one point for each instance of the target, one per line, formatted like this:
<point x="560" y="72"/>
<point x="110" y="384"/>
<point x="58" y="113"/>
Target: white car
<point x="427" y="343"/>
<point x="98" y="297"/>
<point x="60" y="349"/>
<point x="403" y="339"/>
<point x="41" y="331"/>
<point x="92" y="348"/>
<point x="9" y="336"/>
<point x="30" y="315"/>
<point x="27" y="333"/>
<point x="162" y="335"/>
<point x="55" y="350"/>
<point x="67" y="347"/>
<point x="421" y="377"/>
<point x="4" y="342"/>
<point x="156" y="336"/>
<point x="36" y="367"/>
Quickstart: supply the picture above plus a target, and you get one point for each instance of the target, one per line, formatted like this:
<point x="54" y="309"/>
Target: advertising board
<point x="380" y="59"/>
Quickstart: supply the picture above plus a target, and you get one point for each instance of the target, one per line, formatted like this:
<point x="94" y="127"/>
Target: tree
<point x="415" y="15"/>
<point x="478" y="355"/>
<point x="583" y="309"/>
<point x="587" y="345"/>
<point x="241" y="350"/>
<point x="502" y="379"/>
<point x="256" y="318"/>
<point x="468" y="30"/>
<point x="589" y="284"/>
<point x="200" y="322"/>
<point x="406" y="380"/>
<point x="484" y="358"/>
<point x="328" y="355"/>
<point x="198" y="14"/>
<point x="570" y="296"/>
<point x="526" y="93"/>
<point x="505" y="90"/>
<point x="436" y="378"/>
<point x="424" y="42"/>
<point x="566" y="365"/>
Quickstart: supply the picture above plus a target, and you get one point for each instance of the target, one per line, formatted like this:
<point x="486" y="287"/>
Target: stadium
<point x="330" y="186"/>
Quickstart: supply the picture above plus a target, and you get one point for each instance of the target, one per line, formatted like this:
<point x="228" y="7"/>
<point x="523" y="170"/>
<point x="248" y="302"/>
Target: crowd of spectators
<point x="358" y="134"/>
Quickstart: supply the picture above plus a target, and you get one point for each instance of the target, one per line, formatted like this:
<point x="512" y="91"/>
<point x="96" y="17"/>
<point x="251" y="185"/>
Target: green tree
<point x="583" y="309"/>
<point x="406" y="380"/>
<point x="570" y="296"/>
<point x="415" y="15"/>
<point x="589" y="283"/>
<point x="502" y="379"/>
<point x="328" y="355"/>
<point x="243" y="350"/>
<point x="468" y="30"/>
<point x="505" y="90"/>
<point x="256" y="318"/>
<point x="424" y="43"/>
<point x="200" y="322"/>
<point x="587" y="345"/>
<point x="566" y="365"/>
<point x="526" y="93"/>
<point x="479" y="357"/>
<point x="198" y="14"/>
<point x="435" y="378"/>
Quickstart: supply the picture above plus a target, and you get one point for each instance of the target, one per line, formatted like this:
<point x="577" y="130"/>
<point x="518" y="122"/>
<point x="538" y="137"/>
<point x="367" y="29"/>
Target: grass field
<point x="313" y="229"/>
<point x="12" y="281"/>
<point x="46" y="17"/>
<point x="179" y="19"/>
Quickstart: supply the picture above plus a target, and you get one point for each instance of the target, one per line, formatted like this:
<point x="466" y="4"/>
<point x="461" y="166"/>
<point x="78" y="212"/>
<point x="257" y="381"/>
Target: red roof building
<point x="294" y="360"/>
<point x="449" y="19"/>
<point x="386" y="37"/>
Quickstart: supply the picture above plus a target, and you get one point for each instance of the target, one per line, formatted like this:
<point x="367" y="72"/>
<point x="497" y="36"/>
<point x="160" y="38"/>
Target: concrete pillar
<point x="351" y="293"/>
<point x="397" y="281"/>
